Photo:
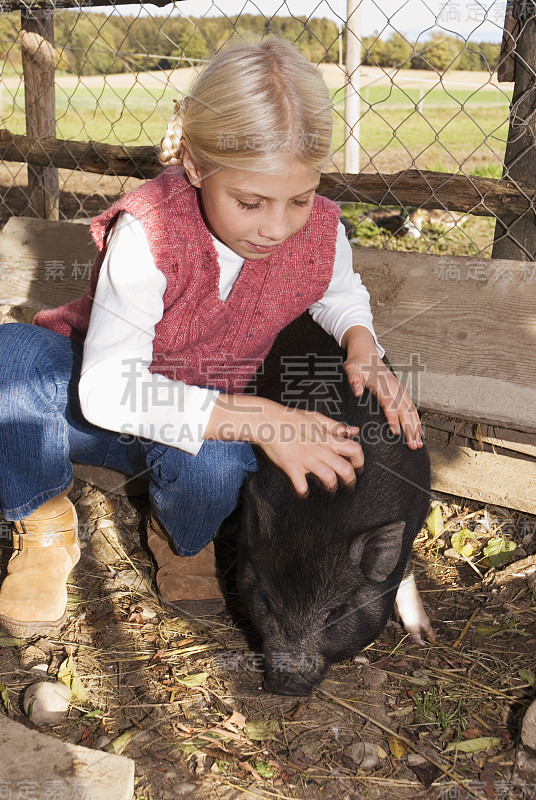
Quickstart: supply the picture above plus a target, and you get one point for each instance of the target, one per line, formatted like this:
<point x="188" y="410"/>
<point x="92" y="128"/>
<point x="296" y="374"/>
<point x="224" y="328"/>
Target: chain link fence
<point x="430" y="103"/>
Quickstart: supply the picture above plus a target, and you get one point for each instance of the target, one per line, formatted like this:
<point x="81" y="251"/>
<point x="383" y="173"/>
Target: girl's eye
<point x="301" y="203"/>
<point x="249" y="206"/>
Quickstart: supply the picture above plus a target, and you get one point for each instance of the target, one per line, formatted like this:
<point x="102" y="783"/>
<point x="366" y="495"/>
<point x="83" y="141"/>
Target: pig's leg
<point x="411" y="610"/>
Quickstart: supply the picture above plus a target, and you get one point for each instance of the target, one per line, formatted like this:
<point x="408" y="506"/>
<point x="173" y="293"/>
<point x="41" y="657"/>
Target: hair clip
<point x="180" y="105"/>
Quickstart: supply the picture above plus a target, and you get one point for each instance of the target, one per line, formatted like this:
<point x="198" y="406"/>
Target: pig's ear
<point x="377" y="551"/>
<point x="260" y="515"/>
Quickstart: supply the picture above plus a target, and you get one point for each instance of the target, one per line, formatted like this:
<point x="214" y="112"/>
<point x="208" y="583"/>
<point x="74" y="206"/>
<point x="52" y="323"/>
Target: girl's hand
<point x="365" y="368"/>
<point x="306" y="441"/>
<point x="299" y="442"/>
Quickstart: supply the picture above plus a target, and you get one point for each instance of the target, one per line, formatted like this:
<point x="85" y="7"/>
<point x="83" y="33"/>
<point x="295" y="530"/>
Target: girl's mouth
<point x="262" y="248"/>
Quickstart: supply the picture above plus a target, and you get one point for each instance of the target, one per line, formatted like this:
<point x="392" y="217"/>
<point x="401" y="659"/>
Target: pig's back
<point x="304" y="368"/>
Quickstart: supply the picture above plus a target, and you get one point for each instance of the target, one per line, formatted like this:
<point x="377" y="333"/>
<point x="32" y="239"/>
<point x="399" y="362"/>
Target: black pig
<point x="320" y="574"/>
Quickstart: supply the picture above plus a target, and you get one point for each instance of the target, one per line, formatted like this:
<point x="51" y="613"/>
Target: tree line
<point x="97" y="43"/>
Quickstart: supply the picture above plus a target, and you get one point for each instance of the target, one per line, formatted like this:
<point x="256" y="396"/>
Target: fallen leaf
<point x="527" y="676"/>
<point x="498" y="549"/>
<point x="5" y="698"/>
<point x="381" y="752"/>
<point x="473" y="745"/>
<point x="68" y="675"/>
<point x="236" y="719"/>
<point x="262" y="730"/>
<point x="464" y="542"/>
<point x="11" y="641"/>
<point x="397" y="747"/>
<point x="434" y="522"/>
<point x="196" y="679"/>
<point x="245" y="765"/>
<point x="158" y="656"/>
<point x="120" y="743"/>
<point x="264" y="768"/>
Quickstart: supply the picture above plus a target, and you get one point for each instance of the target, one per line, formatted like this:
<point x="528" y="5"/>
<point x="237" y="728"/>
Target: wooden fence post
<point x="515" y="236"/>
<point x="38" y="63"/>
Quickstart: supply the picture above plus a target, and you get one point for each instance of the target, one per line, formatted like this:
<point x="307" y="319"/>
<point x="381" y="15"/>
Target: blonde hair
<point x="255" y="106"/>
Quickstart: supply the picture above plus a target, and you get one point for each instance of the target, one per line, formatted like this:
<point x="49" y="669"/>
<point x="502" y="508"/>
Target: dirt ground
<point x="184" y="697"/>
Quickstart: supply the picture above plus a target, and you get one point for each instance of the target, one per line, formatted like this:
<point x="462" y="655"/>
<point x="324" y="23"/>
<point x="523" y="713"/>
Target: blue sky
<point x="482" y="20"/>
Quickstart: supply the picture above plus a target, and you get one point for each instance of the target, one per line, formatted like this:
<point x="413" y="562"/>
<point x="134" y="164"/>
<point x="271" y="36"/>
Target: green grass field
<point x="462" y="123"/>
<point x="451" y="130"/>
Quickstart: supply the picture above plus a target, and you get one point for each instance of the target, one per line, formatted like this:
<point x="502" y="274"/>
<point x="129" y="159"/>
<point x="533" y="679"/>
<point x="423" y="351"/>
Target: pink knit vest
<point x="202" y="339"/>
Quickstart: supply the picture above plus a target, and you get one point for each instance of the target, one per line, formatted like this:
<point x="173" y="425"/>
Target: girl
<point x="197" y="271"/>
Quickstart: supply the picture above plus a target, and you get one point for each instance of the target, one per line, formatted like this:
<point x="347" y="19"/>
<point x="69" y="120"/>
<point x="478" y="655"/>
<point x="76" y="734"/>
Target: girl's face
<point x="253" y="213"/>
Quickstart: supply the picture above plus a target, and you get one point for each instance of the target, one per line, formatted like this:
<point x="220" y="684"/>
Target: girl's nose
<point x="274" y="226"/>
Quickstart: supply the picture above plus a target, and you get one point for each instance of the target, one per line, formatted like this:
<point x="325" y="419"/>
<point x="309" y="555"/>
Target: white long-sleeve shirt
<point x="116" y="389"/>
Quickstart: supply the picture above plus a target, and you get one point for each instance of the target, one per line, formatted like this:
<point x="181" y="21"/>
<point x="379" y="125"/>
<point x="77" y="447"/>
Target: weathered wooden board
<point x="42" y="263"/>
<point x="423" y="189"/>
<point x="481" y="436"/>
<point x="461" y="331"/>
<point x="499" y="478"/>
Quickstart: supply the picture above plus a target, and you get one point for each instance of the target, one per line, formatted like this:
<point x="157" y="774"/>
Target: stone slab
<point x="40" y="766"/>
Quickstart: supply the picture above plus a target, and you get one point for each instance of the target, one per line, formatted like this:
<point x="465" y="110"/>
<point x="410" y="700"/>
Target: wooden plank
<point x="38" y="64"/>
<point x="478" y="435"/>
<point x="486" y="477"/>
<point x="515" y="235"/>
<point x="480" y="196"/>
<point x="43" y="264"/>
<point x="460" y="331"/>
<point x="95" y="157"/>
<point x="110" y="480"/>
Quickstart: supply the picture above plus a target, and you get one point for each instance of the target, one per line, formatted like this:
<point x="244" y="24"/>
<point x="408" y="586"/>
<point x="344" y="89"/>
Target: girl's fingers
<point x="356" y="381"/>
<point x="402" y="415"/>
<point x="344" y="431"/>
<point x="335" y="428"/>
<point x="391" y="415"/>
<point x="411" y="425"/>
<point x="322" y="447"/>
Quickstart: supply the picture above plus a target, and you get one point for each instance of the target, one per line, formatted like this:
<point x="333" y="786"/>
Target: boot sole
<point x="27" y="630"/>
<point x="193" y="608"/>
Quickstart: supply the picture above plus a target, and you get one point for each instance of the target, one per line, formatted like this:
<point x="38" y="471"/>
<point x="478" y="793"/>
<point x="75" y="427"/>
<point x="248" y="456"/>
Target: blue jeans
<point x="42" y="429"/>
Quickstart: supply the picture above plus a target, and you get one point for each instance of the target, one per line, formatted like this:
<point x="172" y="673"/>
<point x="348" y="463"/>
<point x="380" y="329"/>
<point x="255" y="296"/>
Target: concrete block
<point x="39" y="766"/>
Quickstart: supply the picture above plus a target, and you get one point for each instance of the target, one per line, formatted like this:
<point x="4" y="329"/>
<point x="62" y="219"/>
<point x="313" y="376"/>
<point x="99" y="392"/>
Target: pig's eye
<point x="336" y="616"/>
<point x="262" y="603"/>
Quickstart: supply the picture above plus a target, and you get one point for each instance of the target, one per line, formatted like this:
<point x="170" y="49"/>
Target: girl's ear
<point x="190" y="167"/>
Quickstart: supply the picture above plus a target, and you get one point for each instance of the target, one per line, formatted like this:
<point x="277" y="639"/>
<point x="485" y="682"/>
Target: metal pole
<point x="351" y="104"/>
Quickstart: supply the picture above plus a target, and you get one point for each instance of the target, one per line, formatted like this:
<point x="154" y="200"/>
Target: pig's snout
<point x="296" y="674"/>
<point x="294" y="685"/>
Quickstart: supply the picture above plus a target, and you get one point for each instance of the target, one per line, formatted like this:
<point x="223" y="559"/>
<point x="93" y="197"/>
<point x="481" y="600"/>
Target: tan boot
<point x="33" y="596"/>
<point x="191" y="584"/>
